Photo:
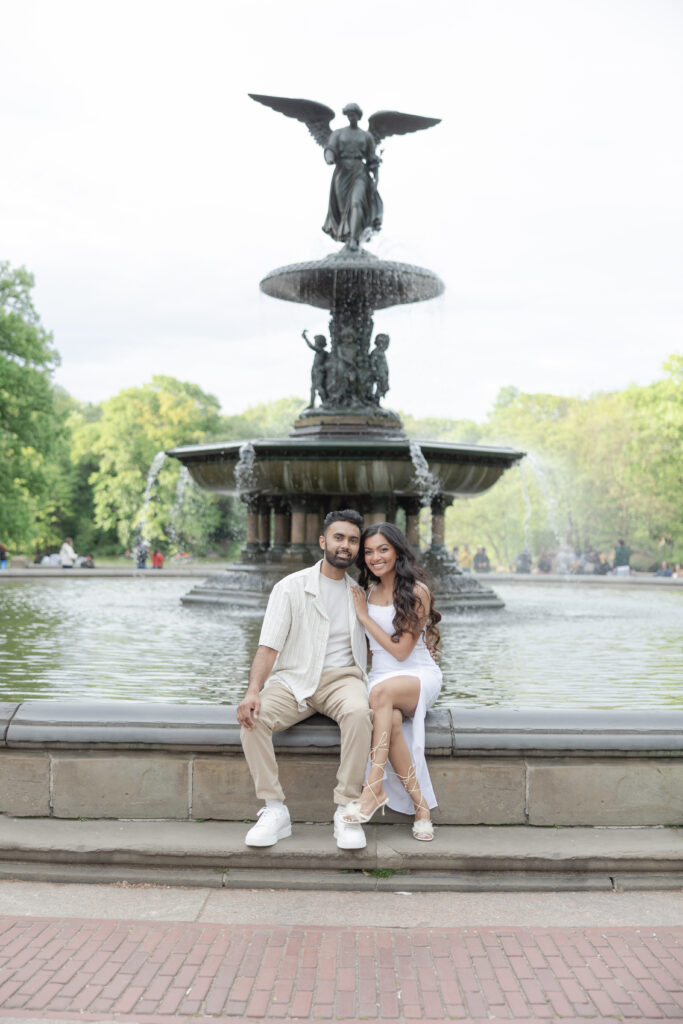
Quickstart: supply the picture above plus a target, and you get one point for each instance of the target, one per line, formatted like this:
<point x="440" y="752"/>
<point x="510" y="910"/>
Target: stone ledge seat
<point x="450" y="732"/>
<point x="128" y="760"/>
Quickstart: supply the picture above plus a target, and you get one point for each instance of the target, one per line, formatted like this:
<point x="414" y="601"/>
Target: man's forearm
<point x="261" y="667"/>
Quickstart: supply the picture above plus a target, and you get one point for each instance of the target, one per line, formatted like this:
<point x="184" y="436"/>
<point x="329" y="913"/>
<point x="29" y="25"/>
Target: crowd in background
<point x="586" y="562"/>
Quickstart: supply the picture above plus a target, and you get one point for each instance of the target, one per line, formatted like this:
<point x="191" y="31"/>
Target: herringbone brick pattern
<point x="159" y="973"/>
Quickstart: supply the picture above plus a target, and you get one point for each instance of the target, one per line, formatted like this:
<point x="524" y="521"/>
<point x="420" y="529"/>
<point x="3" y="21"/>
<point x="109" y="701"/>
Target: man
<point x="481" y="560"/>
<point x="622" y="559"/>
<point x="67" y="555"/>
<point x="311" y="657"/>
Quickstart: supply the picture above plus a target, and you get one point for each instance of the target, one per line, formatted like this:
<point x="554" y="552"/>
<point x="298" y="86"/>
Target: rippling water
<point x="564" y="646"/>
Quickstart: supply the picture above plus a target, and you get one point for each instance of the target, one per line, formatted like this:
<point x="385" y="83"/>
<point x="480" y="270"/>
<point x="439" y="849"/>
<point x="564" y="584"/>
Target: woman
<point x="395" y="607"/>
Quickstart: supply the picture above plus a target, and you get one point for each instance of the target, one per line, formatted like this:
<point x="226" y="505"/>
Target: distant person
<point x="67" y="555"/>
<point x="603" y="566"/>
<point x="544" y="564"/>
<point x="678" y="571"/>
<point x="622" y="559"/>
<point x="664" y="570"/>
<point x="88" y="562"/>
<point x="3" y="556"/>
<point x="523" y="561"/>
<point x="466" y="558"/>
<point x="157" y="559"/>
<point x="141" y="555"/>
<point x="456" y="558"/>
<point x="590" y="559"/>
<point x="481" y="560"/>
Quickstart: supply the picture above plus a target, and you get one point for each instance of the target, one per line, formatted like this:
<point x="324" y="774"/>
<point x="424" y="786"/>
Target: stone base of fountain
<point x="248" y="585"/>
<point x="293" y="482"/>
<point x="363" y="421"/>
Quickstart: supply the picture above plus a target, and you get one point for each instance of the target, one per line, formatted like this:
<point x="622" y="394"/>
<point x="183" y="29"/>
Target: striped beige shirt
<point x="297" y="626"/>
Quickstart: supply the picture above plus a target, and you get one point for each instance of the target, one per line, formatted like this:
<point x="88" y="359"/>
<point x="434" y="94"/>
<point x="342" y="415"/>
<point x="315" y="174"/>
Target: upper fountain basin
<point x="346" y="275"/>
<point x="347" y="466"/>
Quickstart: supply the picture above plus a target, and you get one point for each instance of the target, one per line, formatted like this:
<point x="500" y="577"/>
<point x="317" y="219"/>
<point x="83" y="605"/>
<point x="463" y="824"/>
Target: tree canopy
<point x="30" y="423"/>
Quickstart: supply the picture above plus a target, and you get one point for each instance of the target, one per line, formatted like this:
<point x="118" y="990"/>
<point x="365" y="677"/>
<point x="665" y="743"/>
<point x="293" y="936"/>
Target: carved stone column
<point x="439" y="505"/>
<point x="251" y="548"/>
<point x="313" y="528"/>
<point x="412" y="507"/>
<point x="264" y="524"/>
<point x="281" y="529"/>
<point x="297" y="551"/>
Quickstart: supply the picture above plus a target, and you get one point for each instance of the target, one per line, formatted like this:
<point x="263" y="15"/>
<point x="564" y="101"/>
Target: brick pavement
<point x="161" y="973"/>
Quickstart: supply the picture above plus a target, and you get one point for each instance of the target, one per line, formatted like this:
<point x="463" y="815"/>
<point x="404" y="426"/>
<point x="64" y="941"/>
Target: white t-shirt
<point x="338" y="653"/>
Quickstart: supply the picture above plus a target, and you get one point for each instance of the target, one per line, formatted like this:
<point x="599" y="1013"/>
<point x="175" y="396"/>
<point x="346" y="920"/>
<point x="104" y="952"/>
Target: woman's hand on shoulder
<point x="423" y="600"/>
<point x="360" y="602"/>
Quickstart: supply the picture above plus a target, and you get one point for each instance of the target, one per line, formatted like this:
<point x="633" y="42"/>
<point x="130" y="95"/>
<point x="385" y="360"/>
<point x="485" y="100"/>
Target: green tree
<point x="134" y="427"/>
<point x="597" y="469"/>
<point x="30" y="425"/>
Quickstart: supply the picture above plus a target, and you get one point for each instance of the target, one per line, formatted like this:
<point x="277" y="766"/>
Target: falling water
<point x="549" y="500"/>
<point x="152" y="474"/>
<point x="564" y="557"/>
<point x="184" y="480"/>
<point x="245" y="476"/>
<point x="527" y="506"/>
<point x="426" y="483"/>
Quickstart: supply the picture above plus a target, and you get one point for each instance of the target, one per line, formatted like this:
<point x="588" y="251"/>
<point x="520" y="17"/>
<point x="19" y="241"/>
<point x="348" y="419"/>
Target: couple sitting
<point x="312" y="657"/>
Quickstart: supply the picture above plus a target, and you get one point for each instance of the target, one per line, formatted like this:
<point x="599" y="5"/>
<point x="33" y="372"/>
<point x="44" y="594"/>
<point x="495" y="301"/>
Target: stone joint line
<point x="167" y="972"/>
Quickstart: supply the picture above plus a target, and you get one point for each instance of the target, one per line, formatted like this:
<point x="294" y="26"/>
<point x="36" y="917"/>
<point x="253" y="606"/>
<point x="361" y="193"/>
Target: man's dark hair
<point x="345" y="515"/>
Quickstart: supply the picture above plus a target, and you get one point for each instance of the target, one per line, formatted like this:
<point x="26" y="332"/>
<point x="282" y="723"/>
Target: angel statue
<point x="355" y="208"/>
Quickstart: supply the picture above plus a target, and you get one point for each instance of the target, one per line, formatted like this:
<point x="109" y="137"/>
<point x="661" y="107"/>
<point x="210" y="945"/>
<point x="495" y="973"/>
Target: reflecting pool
<point x="552" y="646"/>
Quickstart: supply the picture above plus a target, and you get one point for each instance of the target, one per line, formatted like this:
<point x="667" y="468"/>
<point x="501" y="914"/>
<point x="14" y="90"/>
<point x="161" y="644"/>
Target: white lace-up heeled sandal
<point x="353" y="814"/>
<point x="423" y="829"/>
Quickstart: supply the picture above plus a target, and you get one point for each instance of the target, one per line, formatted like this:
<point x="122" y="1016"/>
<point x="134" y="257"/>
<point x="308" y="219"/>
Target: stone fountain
<point x="346" y="450"/>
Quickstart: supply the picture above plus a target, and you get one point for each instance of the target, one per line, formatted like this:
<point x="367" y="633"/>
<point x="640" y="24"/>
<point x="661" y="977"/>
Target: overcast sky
<point x="149" y="195"/>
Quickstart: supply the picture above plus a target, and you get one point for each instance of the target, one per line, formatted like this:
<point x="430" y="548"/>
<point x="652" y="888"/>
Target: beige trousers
<point x="342" y="696"/>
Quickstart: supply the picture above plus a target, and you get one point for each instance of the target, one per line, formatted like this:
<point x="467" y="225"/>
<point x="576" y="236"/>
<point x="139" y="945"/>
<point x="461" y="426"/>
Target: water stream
<point x="425" y="482"/>
<point x="152" y="474"/>
<point x="245" y="477"/>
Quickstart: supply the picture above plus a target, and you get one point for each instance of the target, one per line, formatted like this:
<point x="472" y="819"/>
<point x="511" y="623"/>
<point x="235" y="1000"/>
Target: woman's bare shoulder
<point x="421" y="592"/>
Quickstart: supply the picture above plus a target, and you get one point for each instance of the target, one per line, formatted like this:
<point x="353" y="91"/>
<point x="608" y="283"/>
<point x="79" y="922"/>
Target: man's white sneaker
<point x="348" y="836"/>
<point x="273" y="824"/>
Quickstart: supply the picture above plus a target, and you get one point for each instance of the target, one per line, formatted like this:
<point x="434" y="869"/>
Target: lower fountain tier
<point x="249" y="586"/>
<point x="349" y="467"/>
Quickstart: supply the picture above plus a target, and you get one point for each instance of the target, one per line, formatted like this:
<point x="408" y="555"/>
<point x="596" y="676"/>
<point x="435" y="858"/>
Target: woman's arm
<point x="402" y="648"/>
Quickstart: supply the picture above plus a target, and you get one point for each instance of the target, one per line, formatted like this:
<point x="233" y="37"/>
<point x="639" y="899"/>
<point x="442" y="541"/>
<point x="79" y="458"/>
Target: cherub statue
<point x="355" y="208"/>
<point x="319" y="368"/>
<point x="379" y="367"/>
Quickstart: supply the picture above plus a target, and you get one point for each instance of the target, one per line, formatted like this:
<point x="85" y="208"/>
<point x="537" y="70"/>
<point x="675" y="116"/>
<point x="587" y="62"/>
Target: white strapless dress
<point x="421" y="664"/>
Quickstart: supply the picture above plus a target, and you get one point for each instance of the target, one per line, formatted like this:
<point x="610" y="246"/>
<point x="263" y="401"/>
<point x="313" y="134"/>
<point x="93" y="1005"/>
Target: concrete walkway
<point x="156" y="955"/>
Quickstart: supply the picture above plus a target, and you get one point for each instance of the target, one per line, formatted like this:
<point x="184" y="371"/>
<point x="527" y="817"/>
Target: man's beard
<point x="338" y="561"/>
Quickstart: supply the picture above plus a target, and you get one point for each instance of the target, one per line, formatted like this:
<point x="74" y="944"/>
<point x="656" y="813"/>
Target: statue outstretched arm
<point x="316" y="116"/>
<point x="304" y="335"/>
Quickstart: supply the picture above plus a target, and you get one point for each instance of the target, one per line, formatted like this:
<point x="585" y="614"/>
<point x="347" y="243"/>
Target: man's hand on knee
<point x="261" y="667"/>
<point x="248" y="710"/>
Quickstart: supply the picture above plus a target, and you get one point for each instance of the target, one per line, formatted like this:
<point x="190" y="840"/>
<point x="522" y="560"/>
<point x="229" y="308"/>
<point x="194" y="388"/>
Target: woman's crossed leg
<point x="391" y="700"/>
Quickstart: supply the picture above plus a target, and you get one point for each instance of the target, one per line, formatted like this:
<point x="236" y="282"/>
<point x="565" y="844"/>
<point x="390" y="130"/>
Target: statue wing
<point x="316" y="116"/>
<point x="392" y="122"/>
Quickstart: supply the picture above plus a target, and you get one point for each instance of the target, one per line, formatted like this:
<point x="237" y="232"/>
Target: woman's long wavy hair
<point x="408" y="606"/>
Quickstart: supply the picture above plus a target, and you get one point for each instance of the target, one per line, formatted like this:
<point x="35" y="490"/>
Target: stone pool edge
<point x="130" y="760"/>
